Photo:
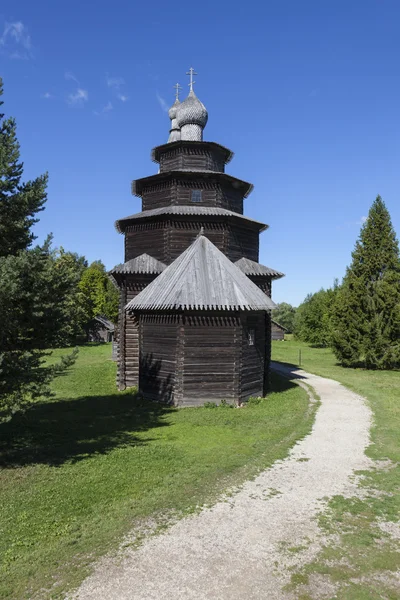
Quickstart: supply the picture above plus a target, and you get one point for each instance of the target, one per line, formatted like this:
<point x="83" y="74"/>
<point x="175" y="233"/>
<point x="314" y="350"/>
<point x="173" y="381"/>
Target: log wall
<point x="196" y="159"/>
<point x="211" y="354"/>
<point x="158" y="343"/>
<point x="166" y="240"/>
<point x="253" y="362"/>
<point x="179" y="192"/>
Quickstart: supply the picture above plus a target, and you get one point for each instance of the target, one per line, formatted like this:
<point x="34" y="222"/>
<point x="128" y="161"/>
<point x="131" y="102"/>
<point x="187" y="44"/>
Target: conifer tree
<point x="19" y="202"/>
<point x="33" y="292"/>
<point x="366" y="313"/>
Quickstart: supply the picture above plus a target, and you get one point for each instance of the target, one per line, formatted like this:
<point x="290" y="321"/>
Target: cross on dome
<point x="191" y="72"/>
<point x="177" y="90"/>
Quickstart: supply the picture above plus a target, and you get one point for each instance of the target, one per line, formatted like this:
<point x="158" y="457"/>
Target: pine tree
<point x="366" y="314"/>
<point x="19" y="202"/>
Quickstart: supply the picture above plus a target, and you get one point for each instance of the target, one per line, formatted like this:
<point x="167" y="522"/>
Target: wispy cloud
<point x="348" y="224"/>
<point x="47" y="95"/>
<point x="162" y="102"/>
<point x="71" y="77"/>
<point x="78" y="98"/>
<point x="116" y="84"/>
<point x="16" y="41"/>
<point x="104" y="110"/>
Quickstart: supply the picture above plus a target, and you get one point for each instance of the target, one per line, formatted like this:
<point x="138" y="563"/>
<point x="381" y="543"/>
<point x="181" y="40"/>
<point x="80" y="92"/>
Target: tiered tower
<point x="189" y="199"/>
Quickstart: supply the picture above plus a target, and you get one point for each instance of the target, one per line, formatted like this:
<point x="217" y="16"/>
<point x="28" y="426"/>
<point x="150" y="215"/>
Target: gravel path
<point x="244" y="545"/>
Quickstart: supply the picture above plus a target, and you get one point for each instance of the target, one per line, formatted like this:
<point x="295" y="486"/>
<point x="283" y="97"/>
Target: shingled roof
<point x="250" y="267"/>
<point x="202" y="277"/>
<point x="189" y="210"/>
<point x="143" y="264"/>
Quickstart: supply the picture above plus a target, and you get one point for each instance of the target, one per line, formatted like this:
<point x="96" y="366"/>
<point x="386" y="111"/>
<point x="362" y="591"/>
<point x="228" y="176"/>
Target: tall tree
<point x="98" y="294"/>
<point x="19" y="202"/>
<point x="32" y="293"/>
<point x="313" y="318"/>
<point x="366" y="316"/>
<point x="284" y="314"/>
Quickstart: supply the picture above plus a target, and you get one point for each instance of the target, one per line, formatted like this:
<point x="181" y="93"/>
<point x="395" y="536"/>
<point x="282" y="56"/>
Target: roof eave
<point x="138" y="184"/>
<point x="170" y="145"/>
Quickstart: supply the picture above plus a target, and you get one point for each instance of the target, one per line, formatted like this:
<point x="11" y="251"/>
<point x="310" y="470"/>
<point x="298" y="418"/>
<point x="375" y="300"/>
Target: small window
<point x="196" y="195"/>
<point x="251" y="336"/>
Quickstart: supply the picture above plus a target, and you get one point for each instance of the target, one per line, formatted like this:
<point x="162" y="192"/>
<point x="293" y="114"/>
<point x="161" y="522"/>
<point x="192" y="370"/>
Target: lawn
<point x="81" y="470"/>
<point x="361" y="559"/>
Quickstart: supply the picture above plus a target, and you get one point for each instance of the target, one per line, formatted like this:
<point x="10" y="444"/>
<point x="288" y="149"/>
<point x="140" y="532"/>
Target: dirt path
<point x="244" y="545"/>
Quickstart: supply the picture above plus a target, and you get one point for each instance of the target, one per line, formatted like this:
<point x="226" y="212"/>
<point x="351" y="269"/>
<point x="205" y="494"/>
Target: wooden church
<point x="195" y="322"/>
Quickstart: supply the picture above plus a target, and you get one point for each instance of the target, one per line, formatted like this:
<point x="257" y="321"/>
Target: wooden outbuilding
<point x="278" y="331"/>
<point x="195" y="322"/>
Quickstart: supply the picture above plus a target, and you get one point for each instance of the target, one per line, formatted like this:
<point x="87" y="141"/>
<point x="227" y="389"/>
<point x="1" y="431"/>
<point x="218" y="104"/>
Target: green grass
<point x="357" y="563"/>
<point x="83" y="469"/>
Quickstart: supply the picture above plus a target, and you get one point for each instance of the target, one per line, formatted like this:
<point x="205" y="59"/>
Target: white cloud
<point x="71" y="77"/>
<point x="16" y="40"/>
<point x="47" y="95"/>
<point x="162" y="103"/>
<point x="115" y="82"/>
<point x="104" y="110"/>
<point x="362" y="221"/>
<point x="78" y="98"/>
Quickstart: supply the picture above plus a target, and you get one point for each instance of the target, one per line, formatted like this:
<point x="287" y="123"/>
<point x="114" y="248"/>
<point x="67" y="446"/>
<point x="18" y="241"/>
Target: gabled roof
<point x="250" y="267"/>
<point x="204" y="211"/>
<point x="104" y="322"/>
<point x="144" y="264"/>
<point x="202" y="277"/>
<point x="280" y="326"/>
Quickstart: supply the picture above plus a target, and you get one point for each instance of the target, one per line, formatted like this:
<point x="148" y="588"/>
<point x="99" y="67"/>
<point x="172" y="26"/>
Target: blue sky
<point x="307" y="95"/>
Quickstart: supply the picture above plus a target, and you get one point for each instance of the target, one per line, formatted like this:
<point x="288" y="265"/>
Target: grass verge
<point x="362" y="556"/>
<point x="79" y="471"/>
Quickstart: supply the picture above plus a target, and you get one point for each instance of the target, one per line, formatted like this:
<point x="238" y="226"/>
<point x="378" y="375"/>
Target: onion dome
<point x="191" y="118"/>
<point x="174" y="133"/>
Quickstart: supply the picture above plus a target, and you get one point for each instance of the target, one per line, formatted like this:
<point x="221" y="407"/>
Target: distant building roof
<point x="106" y="323"/>
<point x="202" y="277"/>
<point x="280" y="326"/>
<point x="250" y="267"/>
<point x="143" y="264"/>
<point x="189" y="210"/>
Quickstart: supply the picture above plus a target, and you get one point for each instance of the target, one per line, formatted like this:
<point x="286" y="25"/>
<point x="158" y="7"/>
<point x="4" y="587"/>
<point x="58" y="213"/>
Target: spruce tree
<point x="366" y="313"/>
<point x="33" y="291"/>
<point x="19" y="202"/>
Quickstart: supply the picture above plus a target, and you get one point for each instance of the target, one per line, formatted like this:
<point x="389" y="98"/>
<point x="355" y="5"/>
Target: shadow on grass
<point x="286" y="370"/>
<point x="280" y="382"/>
<point x="56" y="432"/>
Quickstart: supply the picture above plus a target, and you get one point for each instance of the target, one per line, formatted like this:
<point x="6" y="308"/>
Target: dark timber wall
<point x="191" y="358"/>
<point x="158" y="344"/>
<point x="197" y="159"/>
<point x="210" y="354"/>
<point x="253" y="356"/>
<point x="166" y="240"/>
<point x="179" y="192"/>
<point x="128" y="332"/>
